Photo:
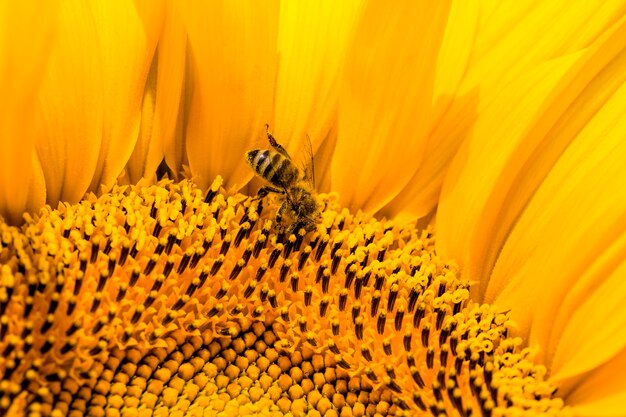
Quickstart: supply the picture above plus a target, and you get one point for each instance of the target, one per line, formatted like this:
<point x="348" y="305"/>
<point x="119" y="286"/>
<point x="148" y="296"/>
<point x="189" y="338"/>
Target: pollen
<point x="167" y="300"/>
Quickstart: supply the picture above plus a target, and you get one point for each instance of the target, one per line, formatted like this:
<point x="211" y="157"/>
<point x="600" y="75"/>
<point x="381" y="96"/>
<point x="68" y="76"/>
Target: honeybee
<point x="295" y="188"/>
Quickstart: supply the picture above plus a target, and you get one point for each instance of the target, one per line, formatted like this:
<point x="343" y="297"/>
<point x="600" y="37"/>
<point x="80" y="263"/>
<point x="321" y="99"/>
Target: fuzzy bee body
<point x="298" y="203"/>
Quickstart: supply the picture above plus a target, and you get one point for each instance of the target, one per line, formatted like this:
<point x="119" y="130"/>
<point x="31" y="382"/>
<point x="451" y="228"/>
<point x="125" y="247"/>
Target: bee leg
<point x="265" y="190"/>
<point x="274" y="143"/>
<point x="279" y="214"/>
<point x="281" y="230"/>
<point x="259" y="206"/>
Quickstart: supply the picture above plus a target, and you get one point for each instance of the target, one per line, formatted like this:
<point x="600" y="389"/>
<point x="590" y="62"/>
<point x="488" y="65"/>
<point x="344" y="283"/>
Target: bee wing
<point x="308" y="165"/>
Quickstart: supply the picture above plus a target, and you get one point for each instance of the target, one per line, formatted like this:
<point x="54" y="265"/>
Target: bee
<point x="299" y="208"/>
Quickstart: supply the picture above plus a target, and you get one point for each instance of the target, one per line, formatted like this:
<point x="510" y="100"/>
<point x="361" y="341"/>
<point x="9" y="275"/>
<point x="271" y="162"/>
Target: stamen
<point x="241" y="233"/>
<point x="322" y="246"/>
<point x="225" y="245"/>
<point x="184" y="262"/>
<point x="289" y="245"/>
<point x="304" y="255"/>
<point x="398" y="319"/>
<point x="237" y="269"/>
<point x="275" y="254"/>
<point x="294" y="282"/>
<point x="284" y="270"/>
<point x="375" y="303"/>
<point x="380" y="323"/>
<point x="335" y="263"/>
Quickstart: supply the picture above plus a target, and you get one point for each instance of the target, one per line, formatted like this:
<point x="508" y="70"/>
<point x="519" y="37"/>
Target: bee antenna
<point x="312" y="161"/>
<point x="270" y="137"/>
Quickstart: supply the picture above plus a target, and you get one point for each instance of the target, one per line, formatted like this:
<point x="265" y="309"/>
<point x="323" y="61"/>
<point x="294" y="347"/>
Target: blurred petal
<point x="161" y="102"/>
<point x="232" y="73"/>
<point x="578" y="315"/>
<point x="71" y="109"/>
<point x="92" y="94"/>
<point x="26" y="31"/>
<point x="173" y="50"/>
<point x="385" y="101"/>
<point x="593" y="336"/>
<point x="602" y="393"/>
<point x="312" y="39"/>
<point x="511" y="36"/>
<point x="420" y="194"/>
<point x="498" y="137"/>
<point x="127" y="33"/>
<point x="575" y="215"/>
<point x="147" y="148"/>
<point x="478" y="65"/>
<point x="541" y="220"/>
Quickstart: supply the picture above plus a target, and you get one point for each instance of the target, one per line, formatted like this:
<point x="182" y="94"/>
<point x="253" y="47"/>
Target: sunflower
<point x="467" y="258"/>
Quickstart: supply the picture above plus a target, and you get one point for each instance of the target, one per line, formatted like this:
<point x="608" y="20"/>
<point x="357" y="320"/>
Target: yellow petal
<point x="312" y="39"/>
<point x="127" y="36"/>
<point x="563" y="278"/>
<point x="385" y="100"/>
<point x="148" y="151"/>
<point x="421" y="193"/>
<point x="493" y="160"/>
<point x="511" y="40"/>
<point x="579" y="127"/>
<point x="466" y="215"/>
<point x="533" y="208"/>
<point x="543" y="218"/>
<point x="92" y="94"/>
<point x="589" y="325"/>
<point x="173" y="49"/>
<point x="232" y="69"/>
<point x="162" y="100"/>
<point x="558" y="252"/>
<point x="26" y="30"/>
<point x="609" y="381"/>
<point x="70" y="113"/>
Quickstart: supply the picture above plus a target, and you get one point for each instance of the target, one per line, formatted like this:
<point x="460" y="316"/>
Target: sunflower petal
<point x="127" y="37"/>
<point x="505" y="46"/>
<point x="161" y="116"/>
<point x="232" y="72"/>
<point x="385" y="100"/>
<point x="580" y="158"/>
<point x="514" y="36"/>
<point x="608" y="381"/>
<point x="170" y="102"/>
<point x="71" y="111"/>
<point x="551" y="230"/>
<point x="420" y="195"/>
<point x="24" y="50"/>
<point x="589" y="325"/>
<point x="92" y="94"/>
<point x="562" y="243"/>
<point x="312" y="39"/>
<point x="505" y="173"/>
<point x="485" y="159"/>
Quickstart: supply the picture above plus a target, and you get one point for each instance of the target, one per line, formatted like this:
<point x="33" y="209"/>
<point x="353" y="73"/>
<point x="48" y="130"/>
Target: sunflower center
<point x="163" y="301"/>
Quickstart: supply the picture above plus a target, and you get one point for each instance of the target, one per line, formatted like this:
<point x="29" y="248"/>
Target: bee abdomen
<point x="273" y="167"/>
<point x="259" y="160"/>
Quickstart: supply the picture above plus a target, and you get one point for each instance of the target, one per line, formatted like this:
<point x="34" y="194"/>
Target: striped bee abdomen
<point x="273" y="167"/>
